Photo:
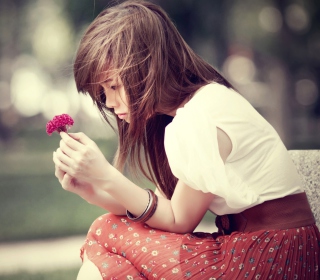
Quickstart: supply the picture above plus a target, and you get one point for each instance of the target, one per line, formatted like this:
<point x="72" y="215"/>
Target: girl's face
<point x="116" y="97"/>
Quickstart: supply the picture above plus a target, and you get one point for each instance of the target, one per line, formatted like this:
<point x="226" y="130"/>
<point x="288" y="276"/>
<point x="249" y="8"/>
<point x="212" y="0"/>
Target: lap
<point x="116" y="245"/>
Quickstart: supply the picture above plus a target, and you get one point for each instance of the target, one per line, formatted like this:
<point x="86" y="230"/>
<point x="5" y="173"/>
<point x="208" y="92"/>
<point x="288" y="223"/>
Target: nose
<point x="111" y="100"/>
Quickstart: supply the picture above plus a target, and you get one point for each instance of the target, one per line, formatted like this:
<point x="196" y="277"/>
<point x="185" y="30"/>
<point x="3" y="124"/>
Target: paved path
<point x="45" y="255"/>
<point x="35" y="256"/>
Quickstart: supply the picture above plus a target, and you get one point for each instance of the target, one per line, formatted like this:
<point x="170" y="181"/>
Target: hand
<point x="91" y="192"/>
<point x="83" y="189"/>
<point x="79" y="157"/>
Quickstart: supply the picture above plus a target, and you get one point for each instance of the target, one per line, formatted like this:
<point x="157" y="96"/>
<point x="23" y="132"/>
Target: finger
<point x="71" y="142"/>
<point x="66" y="149"/>
<point x="66" y="182"/>
<point x="59" y="173"/>
<point x="81" y="137"/>
<point x="59" y="164"/>
<point x="63" y="157"/>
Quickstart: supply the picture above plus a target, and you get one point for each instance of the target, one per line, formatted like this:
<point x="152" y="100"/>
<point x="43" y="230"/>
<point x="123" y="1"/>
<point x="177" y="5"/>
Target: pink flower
<point x="59" y="123"/>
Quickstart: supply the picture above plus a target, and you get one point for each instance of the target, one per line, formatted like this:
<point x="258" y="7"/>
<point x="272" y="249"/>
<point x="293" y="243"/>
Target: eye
<point x="113" y="87"/>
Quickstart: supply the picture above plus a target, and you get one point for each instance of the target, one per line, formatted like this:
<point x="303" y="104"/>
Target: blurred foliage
<point x="51" y="275"/>
<point x="280" y="38"/>
<point x="33" y="204"/>
<point x="35" y="207"/>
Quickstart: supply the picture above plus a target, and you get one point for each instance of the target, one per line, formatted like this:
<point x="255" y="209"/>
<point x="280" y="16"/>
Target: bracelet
<point x="141" y="217"/>
<point x="149" y="211"/>
<point x="152" y="208"/>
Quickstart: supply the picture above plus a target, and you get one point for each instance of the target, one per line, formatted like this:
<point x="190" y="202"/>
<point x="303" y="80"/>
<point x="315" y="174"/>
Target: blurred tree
<point x="83" y="12"/>
<point x="299" y="50"/>
<point x="273" y="34"/>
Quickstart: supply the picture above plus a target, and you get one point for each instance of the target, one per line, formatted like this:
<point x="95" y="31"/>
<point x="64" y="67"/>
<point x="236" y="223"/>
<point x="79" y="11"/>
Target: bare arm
<point x="107" y="202"/>
<point x="185" y="209"/>
<point x="180" y="214"/>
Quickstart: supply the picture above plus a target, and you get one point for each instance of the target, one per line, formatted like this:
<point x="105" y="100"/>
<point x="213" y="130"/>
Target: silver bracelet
<point x="149" y="211"/>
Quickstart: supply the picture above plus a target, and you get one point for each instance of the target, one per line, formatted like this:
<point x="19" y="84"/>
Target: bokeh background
<point x="268" y="49"/>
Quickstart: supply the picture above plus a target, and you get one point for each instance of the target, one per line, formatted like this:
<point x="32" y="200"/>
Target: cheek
<point x="124" y="97"/>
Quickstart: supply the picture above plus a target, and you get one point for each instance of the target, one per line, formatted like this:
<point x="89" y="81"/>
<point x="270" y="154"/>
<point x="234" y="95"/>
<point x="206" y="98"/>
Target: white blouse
<point x="259" y="167"/>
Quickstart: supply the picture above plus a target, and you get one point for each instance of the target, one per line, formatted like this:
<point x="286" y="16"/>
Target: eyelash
<point x="103" y="97"/>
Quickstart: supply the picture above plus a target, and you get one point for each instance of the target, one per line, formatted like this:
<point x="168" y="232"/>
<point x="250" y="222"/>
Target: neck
<point x="173" y="112"/>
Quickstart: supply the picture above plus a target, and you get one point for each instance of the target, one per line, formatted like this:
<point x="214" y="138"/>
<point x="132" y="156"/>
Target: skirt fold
<point x="122" y="249"/>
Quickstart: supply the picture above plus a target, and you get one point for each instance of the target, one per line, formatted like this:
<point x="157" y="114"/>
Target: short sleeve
<point x="192" y="149"/>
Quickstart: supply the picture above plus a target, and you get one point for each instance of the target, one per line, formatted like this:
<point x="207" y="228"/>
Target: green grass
<point x="35" y="207"/>
<point x="54" y="275"/>
<point x="32" y="203"/>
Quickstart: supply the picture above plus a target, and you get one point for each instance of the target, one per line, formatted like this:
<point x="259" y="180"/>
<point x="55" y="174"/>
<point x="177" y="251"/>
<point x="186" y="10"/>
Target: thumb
<point x="66" y="182"/>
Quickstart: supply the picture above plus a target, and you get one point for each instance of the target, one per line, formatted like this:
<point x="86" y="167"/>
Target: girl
<point x="183" y="126"/>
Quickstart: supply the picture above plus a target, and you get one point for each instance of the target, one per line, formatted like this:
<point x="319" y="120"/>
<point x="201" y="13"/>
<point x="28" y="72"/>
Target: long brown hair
<point x="137" y="41"/>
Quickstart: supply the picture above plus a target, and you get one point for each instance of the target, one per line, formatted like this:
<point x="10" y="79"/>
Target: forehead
<point x="108" y="77"/>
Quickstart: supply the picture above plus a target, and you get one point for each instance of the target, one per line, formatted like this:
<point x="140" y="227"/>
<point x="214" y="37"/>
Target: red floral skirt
<point x="122" y="249"/>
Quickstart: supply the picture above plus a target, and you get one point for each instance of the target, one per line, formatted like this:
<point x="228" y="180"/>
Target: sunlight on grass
<point x="52" y="275"/>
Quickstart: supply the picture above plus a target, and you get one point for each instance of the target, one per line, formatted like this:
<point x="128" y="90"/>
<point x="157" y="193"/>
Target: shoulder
<point x="211" y="102"/>
<point x="214" y="90"/>
<point x="216" y="98"/>
<point x="209" y="105"/>
<point x="199" y="121"/>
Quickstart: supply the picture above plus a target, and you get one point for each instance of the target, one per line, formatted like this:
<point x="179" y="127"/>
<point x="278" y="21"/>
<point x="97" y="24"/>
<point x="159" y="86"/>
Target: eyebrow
<point x="107" y="81"/>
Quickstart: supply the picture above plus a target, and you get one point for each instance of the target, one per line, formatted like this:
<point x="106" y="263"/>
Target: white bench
<point x="308" y="166"/>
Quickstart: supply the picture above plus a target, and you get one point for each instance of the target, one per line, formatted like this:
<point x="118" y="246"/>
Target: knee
<point x="104" y="219"/>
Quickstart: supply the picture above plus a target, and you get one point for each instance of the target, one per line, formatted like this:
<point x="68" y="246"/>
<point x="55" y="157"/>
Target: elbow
<point x="182" y="228"/>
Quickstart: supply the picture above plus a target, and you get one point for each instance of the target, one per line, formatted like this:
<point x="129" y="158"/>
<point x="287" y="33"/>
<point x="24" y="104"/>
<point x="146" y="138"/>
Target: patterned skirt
<point x="122" y="249"/>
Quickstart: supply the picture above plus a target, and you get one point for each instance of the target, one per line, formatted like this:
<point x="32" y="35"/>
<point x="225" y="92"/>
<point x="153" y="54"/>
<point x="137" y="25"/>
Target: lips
<point x="122" y="115"/>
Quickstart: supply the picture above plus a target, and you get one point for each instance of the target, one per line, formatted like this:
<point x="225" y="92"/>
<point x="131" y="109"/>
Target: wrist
<point x="94" y="197"/>
<point x="99" y="197"/>
<point x="113" y="177"/>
